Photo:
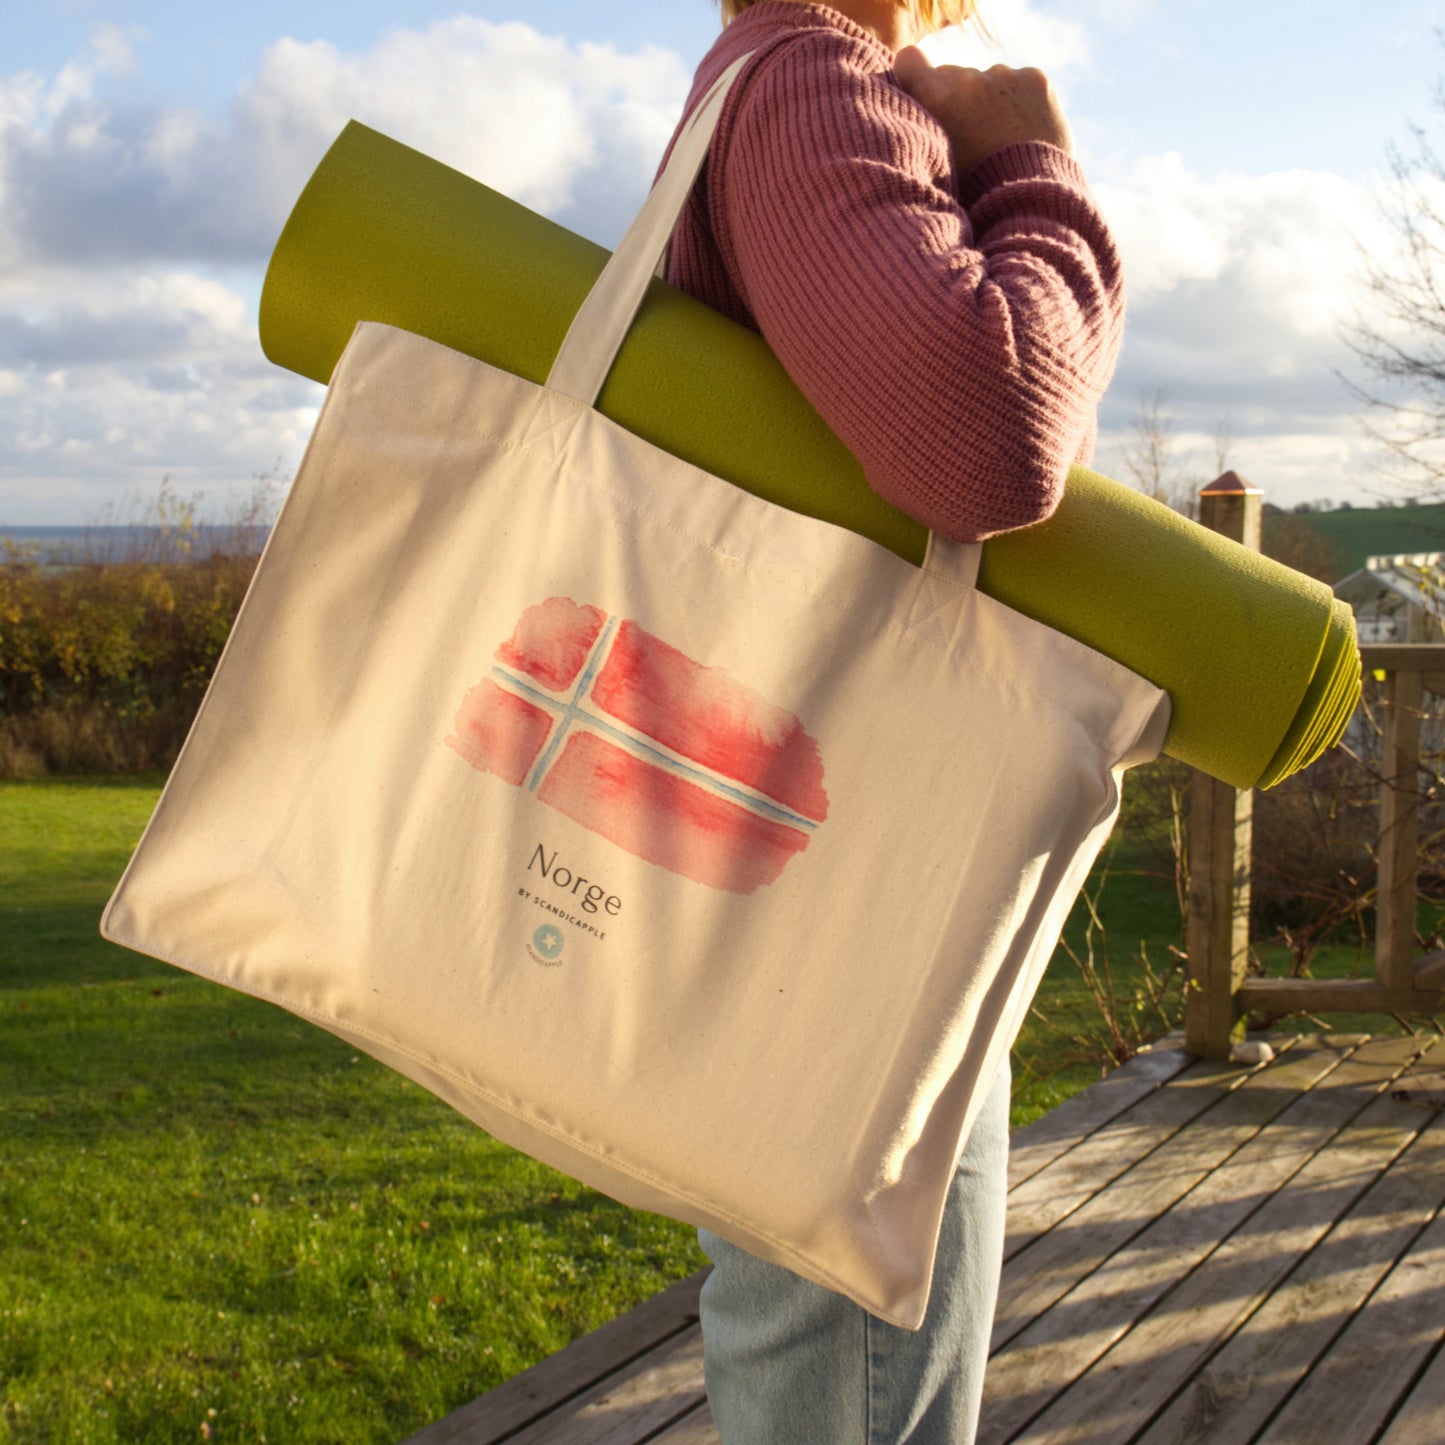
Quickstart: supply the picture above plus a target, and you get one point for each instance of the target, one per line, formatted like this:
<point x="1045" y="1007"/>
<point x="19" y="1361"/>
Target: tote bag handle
<point x="602" y="321"/>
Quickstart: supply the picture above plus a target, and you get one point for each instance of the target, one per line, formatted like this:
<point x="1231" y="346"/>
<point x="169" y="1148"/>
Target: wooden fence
<point x="1221" y="991"/>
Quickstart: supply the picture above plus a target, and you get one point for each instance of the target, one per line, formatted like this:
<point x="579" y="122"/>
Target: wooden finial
<point x="1229" y="484"/>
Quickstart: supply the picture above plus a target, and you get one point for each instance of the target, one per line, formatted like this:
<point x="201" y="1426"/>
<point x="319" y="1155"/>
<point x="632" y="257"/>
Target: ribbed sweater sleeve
<point x="957" y="334"/>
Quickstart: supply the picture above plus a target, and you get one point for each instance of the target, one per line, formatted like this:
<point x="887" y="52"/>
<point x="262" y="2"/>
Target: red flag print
<point x="677" y="762"/>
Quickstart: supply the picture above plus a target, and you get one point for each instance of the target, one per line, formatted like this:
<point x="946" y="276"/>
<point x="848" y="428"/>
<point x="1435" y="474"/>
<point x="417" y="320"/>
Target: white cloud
<point x="1022" y="36"/>
<point x="29" y="99"/>
<point x="65" y="317"/>
<point x="1329" y="459"/>
<point x="535" y="117"/>
<point x="132" y="236"/>
<point x="1167" y="230"/>
<point x="1238" y="285"/>
<point x="526" y="113"/>
<point x="1282" y="242"/>
<point x="116" y="377"/>
<point x="110" y="51"/>
<point x="1117" y="14"/>
<point x="116" y="48"/>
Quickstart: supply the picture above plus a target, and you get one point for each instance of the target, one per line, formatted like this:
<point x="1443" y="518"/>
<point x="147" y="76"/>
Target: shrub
<point x="1313" y="874"/>
<point x="102" y="665"/>
<point x="1316" y="835"/>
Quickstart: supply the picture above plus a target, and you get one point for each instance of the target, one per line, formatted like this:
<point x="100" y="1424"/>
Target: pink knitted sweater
<point x="956" y="332"/>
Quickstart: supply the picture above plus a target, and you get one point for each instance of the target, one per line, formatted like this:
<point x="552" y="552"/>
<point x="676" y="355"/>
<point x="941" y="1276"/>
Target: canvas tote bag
<point x="702" y="850"/>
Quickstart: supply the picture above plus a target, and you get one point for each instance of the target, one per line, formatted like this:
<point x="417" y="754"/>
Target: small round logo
<point x="548" y="940"/>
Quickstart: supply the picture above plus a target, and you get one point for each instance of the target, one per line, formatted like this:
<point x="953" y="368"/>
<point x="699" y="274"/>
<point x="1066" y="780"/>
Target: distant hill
<point x="1367" y="532"/>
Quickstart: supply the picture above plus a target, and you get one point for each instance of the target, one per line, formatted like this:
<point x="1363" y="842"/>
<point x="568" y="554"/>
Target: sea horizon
<point x="63" y="544"/>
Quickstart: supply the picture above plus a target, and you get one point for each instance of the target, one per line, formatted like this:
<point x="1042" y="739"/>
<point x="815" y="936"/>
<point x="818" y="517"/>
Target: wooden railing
<point x="1221" y="992"/>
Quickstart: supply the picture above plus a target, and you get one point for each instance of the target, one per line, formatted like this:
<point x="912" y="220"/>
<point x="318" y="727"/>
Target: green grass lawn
<point x="1066" y="1043"/>
<point x="1356" y="534"/>
<point x="223" y="1223"/>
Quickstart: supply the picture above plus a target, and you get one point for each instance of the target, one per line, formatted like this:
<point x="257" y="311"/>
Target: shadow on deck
<point x="1196" y="1252"/>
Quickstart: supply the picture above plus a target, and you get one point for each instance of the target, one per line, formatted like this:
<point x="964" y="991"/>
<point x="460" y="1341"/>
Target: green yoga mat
<point x="1259" y="661"/>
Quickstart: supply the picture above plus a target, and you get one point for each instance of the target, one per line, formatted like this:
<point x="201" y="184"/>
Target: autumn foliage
<point x="102" y="665"/>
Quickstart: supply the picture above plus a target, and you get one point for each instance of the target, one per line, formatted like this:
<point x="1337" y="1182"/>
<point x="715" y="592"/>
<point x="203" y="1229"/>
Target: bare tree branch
<point x="1400" y="340"/>
<point x="1147" y="455"/>
<point x="1223" y="443"/>
<point x="1155" y="464"/>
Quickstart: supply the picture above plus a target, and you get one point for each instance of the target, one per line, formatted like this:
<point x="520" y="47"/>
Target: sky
<point x="150" y="151"/>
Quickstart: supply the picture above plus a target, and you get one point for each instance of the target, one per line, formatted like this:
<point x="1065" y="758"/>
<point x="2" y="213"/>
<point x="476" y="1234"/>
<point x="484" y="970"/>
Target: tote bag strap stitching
<point x="925" y="597"/>
<point x="948" y="574"/>
<point x="600" y="326"/>
<point x="927" y="592"/>
<point x="560" y="424"/>
<point x="554" y="417"/>
<point x="736" y="557"/>
<point x="956" y="562"/>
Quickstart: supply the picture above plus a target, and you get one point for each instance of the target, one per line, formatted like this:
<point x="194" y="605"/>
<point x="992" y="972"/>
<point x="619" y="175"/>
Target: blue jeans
<point x="790" y="1363"/>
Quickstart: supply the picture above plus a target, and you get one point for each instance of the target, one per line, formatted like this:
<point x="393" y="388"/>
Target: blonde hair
<point x="934" y="14"/>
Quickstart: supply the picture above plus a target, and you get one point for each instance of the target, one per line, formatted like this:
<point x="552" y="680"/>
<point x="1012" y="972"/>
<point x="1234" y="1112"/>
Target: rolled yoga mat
<point x="1259" y="661"/>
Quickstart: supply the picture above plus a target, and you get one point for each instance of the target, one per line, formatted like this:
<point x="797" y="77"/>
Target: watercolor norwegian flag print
<point x="676" y="762"/>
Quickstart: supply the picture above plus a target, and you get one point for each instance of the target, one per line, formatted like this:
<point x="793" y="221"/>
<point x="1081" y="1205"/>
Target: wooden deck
<point x="1196" y="1252"/>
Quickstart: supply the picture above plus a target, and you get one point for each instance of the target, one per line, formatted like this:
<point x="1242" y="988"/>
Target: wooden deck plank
<point x="1052" y="1194"/>
<point x="1080" y="1243"/>
<point x="1370" y="1367"/>
<point x="1423" y="1083"/>
<point x="1421" y="1420"/>
<point x="1234" y="1395"/>
<point x="1063" y="1342"/>
<point x="1060" y="1130"/>
<point x="696" y="1428"/>
<point x="500" y="1413"/>
<point x="1199" y="1253"/>
<point x="633" y="1404"/>
<point x="1115" y="1397"/>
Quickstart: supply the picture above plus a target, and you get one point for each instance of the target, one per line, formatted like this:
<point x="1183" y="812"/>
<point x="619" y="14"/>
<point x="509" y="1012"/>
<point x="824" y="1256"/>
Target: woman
<point x="938" y="281"/>
<point x="921" y="250"/>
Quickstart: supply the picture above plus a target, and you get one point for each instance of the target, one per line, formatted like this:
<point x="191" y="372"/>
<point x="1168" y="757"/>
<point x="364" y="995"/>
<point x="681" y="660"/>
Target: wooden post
<point x="1398" y="854"/>
<point x="1220" y="834"/>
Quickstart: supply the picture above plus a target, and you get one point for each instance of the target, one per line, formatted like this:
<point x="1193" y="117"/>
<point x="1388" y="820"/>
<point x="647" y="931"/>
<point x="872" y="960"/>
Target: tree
<point x="1223" y="443"/>
<point x="1402" y="344"/>
<point x="1156" y="467"/>
<point x="1293" y="539"/>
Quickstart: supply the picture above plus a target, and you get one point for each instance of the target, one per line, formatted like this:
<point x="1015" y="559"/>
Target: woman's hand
<point x="982" y="110"/>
